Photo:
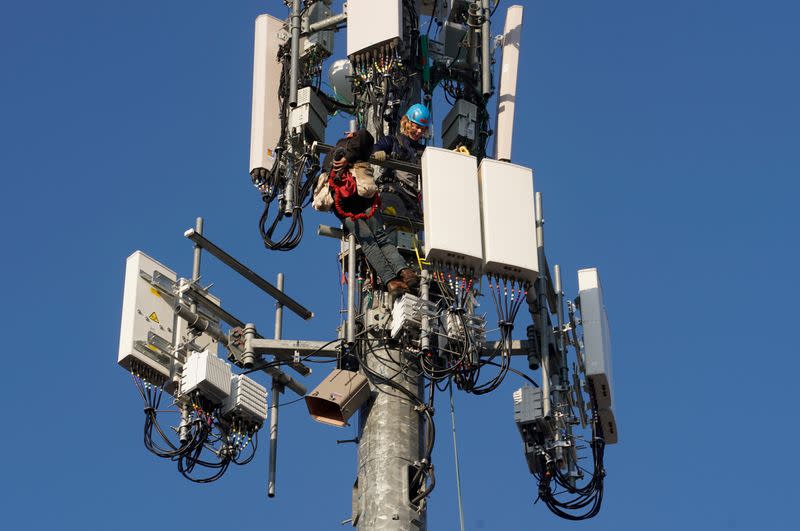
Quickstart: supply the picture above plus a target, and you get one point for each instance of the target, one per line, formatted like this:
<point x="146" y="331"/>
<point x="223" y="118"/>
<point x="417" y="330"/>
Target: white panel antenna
<point x="597" y="348"/>
<point x="507" y="92"/>
<point x="509" y="227"/>
<point x="370" y="23"/>
<point x="265" y="129"/>
<point x="451" y="208"/>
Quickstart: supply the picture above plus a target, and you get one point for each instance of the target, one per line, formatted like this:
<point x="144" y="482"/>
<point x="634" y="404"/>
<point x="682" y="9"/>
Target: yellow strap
<point x="420" y="261"/>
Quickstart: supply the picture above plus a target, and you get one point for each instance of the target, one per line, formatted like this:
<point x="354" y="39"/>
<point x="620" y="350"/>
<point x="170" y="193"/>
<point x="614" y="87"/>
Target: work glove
<point x="380" y="156"/>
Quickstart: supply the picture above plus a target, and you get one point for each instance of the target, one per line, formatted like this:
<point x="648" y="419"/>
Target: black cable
<point x="426" y="468"/>
<point x="515" y="371"/>
<point x="430" y="21"/>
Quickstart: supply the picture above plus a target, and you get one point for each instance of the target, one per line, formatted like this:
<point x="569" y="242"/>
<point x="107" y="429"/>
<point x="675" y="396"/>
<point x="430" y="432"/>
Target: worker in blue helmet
<point x="399" y="190"/>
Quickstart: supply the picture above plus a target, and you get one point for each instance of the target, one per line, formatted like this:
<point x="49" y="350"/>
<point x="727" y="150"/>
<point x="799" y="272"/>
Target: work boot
<point x="396" y="287"/>
<point x="410" y="277"/>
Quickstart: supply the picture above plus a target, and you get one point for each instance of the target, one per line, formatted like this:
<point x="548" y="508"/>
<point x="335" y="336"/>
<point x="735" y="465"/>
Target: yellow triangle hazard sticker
<point x="154" y="317"/>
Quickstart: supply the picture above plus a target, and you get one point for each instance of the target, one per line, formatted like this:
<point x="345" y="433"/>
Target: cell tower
<point x="455" y="227"/>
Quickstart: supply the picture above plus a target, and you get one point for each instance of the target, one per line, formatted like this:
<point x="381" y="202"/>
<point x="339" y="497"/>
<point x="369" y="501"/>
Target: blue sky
<point x="665" y="140"/>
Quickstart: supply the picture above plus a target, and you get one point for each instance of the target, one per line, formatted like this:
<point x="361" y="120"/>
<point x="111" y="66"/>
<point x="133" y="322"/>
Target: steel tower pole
<point x="390" y="428"/>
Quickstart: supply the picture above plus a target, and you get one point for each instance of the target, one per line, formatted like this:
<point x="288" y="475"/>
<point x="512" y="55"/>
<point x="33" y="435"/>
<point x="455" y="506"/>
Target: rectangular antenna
<point x="451" y="208"/>
<point x="596" y="336"/>
<point x="370" y="23"/>
<point x="265" y="128"/>
<point x="507" y="215"/>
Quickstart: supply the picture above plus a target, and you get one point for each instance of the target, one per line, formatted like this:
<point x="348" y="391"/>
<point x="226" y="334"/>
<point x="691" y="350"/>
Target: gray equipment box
<point x="533" y="426"/>
<point x="454" y="35"/>
<point x="528" y="405"/>
<point x="458" y="127"/>
<point x="309" y="115"/>
<point x="320" y="42"/>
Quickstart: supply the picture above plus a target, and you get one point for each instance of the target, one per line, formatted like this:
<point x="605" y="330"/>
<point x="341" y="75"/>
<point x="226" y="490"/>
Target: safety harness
<point x="346" y="188"/>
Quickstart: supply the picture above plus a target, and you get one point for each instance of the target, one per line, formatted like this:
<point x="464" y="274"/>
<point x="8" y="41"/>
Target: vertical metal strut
<point x="274" y="403"/>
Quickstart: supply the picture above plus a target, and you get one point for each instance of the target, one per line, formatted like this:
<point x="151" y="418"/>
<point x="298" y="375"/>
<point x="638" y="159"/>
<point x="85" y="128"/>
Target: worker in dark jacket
<point x="361" y="218"/>
<point x="399" y="190"/>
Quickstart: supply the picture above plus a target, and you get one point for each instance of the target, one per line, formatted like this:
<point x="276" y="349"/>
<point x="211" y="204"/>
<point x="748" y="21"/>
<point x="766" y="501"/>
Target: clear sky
<point x="665" y="140"/>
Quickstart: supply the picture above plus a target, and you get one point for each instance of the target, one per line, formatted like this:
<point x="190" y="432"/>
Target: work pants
<point x="380" y="253"/>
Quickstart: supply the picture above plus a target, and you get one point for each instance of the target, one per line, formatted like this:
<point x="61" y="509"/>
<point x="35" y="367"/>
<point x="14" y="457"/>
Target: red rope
<point x="349" y="188"/>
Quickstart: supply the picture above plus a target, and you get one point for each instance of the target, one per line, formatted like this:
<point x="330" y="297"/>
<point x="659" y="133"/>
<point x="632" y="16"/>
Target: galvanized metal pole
<point x="486" y="56"/>
<point x="390" y="434"/>
<point x="198" y="228"/>
<point x="350" y="333"/>
<point x="294" y="70"/>
<point x="274" y="402"/>
<point x="425" y="321"/>
<point x="389" y="440"/>
<point x="543" y="310"/>
<point x="563" y="377"/>
<point x="351" y="290"/>
<point x="183" y="429"/>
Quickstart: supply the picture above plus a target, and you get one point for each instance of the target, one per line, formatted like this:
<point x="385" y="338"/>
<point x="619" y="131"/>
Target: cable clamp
<point x="422" y="408"/>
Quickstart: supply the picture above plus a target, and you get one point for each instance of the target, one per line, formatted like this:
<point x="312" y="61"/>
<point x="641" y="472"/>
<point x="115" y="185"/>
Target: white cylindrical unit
<point x="507" y="92"/>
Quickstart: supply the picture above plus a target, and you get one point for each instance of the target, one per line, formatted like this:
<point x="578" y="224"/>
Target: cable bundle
<point x="208" y="442"/>
<point x="270" y="189"/>
<point x="589" y="495"/>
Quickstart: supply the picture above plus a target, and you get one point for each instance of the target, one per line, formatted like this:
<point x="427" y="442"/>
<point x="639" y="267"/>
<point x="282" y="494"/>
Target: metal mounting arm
<point x="249" y="274"/>
<point x="329" y="22"/>
<point x="409" y="167"/>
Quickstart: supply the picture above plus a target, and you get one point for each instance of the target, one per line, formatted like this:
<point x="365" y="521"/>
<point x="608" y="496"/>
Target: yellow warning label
<point x="155" y="292"/>
<point x="154" y="317"/>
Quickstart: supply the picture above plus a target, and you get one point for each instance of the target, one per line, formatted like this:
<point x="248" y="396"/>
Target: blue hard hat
<point x="419" y="114"/>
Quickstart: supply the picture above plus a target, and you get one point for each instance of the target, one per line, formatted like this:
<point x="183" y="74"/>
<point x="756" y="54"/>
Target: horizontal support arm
<point x="388" y="163"/>
<point x="285" y="380"/>
<point x="329" y="22"/>
<point x="328" y="349"/>
<point x="287" y="348"/>
<point x="249" y="274"/>
<point x="200" y="324"/>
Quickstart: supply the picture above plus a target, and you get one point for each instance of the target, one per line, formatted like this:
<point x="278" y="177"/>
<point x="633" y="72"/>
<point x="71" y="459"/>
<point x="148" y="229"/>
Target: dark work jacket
<point x="356" y="148"/>
<point x="399" y="188"/>
<point x="400" y="147"/>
